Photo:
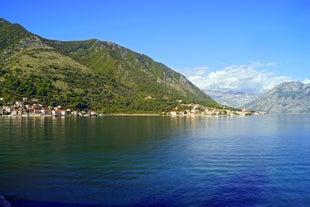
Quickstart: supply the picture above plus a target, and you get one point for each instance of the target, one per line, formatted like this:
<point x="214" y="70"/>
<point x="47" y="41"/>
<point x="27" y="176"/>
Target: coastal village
<point x="198" y="109"/>
<point x="33" y="108"/>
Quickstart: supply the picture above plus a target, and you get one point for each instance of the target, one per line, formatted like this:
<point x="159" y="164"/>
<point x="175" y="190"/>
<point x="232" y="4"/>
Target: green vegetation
<point x="88" y="74"/>
<point x="10" y="34"/>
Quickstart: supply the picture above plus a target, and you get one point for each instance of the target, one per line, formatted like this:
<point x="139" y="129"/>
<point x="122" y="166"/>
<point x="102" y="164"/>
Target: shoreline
<point x="124" y="114"/>
<point x="60" y="116"/>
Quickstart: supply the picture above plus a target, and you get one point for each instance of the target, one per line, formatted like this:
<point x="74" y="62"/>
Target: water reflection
<point x="117" y="161"/>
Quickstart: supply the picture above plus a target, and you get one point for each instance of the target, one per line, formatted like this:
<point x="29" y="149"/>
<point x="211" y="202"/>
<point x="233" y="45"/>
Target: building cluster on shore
<point x="19" y="108"/>
<point x="198" y="109"/>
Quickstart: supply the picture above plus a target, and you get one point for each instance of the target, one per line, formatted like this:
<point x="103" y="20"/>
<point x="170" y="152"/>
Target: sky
<point x="242" y="45"/>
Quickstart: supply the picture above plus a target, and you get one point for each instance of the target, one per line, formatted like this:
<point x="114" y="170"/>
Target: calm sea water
<point x="156" y="161"/>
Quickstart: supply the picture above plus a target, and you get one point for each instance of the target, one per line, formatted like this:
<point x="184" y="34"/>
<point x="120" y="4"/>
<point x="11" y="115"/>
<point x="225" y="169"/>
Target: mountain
<point x="88" y="74"/>
<point x="288" y="97"/>
<point x="236" y="99"/>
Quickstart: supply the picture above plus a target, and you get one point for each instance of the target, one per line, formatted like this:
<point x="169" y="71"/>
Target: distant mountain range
<point x="288" y="97"/>
<point x="87" y="74"/>
<point x="235" y="99"/>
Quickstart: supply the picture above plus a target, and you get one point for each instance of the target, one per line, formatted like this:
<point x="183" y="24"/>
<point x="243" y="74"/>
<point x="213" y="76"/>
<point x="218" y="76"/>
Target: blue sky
<point x="198" y="38"/>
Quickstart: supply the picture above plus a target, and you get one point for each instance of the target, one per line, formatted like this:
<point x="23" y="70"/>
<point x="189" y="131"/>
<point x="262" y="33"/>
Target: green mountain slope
<point x="136" y="71"/>
<point x="87" y="75"/>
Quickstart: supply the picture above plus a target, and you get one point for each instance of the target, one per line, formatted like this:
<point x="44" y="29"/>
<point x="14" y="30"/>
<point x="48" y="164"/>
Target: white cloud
<point x="271" y="64"/>
<point x="306" y="81"/>
<point x="197" y="71"/>
<point x="256" y="78"/>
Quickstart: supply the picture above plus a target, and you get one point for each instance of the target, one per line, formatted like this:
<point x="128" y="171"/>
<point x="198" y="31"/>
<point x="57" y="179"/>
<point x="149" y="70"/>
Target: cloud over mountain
<point x="306" y="81"/>
<point x="254" y="78"/>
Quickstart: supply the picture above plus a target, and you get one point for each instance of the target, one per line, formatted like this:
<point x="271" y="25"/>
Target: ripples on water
<point x="156" y="161"/>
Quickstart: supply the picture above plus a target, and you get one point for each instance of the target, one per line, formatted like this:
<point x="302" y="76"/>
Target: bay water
<point x="155" y="161"/>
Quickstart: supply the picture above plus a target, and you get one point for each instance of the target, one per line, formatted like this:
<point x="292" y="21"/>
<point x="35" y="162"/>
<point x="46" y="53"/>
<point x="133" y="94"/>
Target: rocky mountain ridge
<point x="288" y="97"/>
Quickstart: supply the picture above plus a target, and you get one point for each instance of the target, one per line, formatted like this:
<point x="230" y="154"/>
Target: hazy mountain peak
<point x="231" y="98"/>
<point x="287" y="97"/>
